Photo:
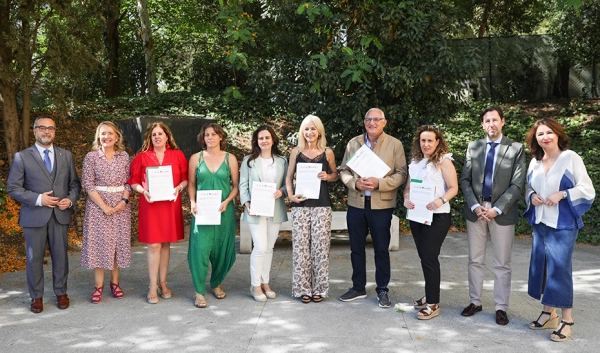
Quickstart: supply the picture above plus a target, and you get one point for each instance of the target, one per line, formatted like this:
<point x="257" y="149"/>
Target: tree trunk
<point x="25" y="117"/>
<point x="561" y="82"/>
<point x="148" y="47"/>
<point x="483" y="27"/>
<point x="112" y="14"/>
<point x="12" y="138"/>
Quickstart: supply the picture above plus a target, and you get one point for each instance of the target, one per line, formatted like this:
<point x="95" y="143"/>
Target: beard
<point x="44" y="141"/>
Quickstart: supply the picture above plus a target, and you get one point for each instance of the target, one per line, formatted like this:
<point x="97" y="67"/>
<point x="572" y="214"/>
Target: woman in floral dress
<point x="107" y="223"/>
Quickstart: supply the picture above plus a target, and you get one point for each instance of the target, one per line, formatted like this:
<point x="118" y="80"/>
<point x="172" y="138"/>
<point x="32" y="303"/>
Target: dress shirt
<point x="487" y="149"/>
<point x="41" y="150"/>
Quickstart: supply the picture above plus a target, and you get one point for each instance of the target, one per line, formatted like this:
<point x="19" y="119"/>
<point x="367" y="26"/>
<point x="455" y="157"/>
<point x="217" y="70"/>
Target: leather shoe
<point x="501" y="317"/>
<point x="62" y="301"/>
<point x="37" y="306"/>
<point x="471" y="310"/>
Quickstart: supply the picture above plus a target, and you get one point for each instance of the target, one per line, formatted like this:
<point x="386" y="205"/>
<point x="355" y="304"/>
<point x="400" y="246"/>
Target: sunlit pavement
<point x="239" y="324"/>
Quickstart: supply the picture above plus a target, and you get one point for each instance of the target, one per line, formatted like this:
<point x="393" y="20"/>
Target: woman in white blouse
<point x="559" y="192"/>
<point x="264" y="165"/>
<point x="431" y="164"/>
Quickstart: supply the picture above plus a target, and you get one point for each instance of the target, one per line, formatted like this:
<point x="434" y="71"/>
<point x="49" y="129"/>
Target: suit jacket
<point x="248" y="175"/>
<point x="391" y="152"/>
<point x="507" y="182"/>
<point x="28" y="178"/>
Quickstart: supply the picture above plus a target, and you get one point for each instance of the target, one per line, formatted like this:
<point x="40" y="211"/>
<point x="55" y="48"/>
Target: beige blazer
<point x="391" y="151"/>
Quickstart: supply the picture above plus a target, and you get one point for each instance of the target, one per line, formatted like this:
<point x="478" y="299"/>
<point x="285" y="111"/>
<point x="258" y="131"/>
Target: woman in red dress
<point x="159" y="222"/>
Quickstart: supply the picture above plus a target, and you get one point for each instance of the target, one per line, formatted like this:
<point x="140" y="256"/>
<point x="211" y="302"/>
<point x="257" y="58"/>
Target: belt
<point x="368" y="198"/>
<point x="486" y="199"/>
<point x="111" y="188"/>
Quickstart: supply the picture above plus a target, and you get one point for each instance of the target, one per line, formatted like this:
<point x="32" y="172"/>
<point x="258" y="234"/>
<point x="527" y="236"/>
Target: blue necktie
<point x="47" y="161"/>
<point x="489" y="168"/>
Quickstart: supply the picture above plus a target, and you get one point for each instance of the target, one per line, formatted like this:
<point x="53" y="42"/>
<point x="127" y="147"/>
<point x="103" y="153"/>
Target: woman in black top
<point x="311" y="218"/>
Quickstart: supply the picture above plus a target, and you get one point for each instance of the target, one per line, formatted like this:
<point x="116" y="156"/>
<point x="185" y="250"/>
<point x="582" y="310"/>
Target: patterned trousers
<point x="311" y="241"/>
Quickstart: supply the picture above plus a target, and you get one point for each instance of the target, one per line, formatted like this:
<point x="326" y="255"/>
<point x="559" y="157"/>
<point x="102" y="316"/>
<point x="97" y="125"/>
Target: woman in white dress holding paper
<point x="431" y="165"/>
<point x="311" y="217"/>
<point x="264" y="165"/>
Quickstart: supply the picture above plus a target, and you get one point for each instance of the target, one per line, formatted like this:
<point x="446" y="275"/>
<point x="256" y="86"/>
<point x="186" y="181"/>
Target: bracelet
<point x="126" y="201"/>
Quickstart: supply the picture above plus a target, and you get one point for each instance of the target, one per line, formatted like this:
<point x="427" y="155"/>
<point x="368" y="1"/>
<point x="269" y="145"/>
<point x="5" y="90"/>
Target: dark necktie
<point x="47" y="161"/>
<point x="489" y="168"/>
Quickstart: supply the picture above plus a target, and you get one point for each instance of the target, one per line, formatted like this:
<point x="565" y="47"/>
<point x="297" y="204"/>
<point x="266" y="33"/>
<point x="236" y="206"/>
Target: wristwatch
<point x="443" y="200"/>
<point x="565" y="194"/>
<point x="125" y="200"/>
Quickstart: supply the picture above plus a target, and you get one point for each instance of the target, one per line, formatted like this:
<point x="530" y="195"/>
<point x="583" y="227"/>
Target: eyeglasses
<point x="430" y="127"/>
<point x="375" y="120"/>
<point x="45" y="128"/>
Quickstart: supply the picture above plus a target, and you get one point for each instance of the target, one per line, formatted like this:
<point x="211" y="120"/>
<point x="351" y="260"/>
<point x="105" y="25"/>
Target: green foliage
<point x="387" y="54"/>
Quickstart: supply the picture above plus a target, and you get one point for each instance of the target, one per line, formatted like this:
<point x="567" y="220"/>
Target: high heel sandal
<point x="420" y="304"/>
<point x="152" y="299"/>
<point x="269" y="293"/>
<point x="165" y="294"/>
<point x="429" y="312"/>
<point x="561" y="337"/>
<point x="116" y="290"/>
<point x="97" y="298"/>
<point x="551" y="323"/>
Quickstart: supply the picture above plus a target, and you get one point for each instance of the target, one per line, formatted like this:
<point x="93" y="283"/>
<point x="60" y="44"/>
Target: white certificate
<point x="160" y="183"/>
<point x="421" y="193"/>
<point x="207" y="204"/>
<point x="262" y="202"/>
<point x="307" y="182"/>
<point x="367" y="164"/>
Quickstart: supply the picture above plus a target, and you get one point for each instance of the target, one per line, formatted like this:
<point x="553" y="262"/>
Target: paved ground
<point x="239" y="324"/>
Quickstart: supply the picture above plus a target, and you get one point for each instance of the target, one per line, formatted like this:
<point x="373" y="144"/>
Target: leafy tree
<point x="361" y="54"/>
<point x="504" y="17"/>
<point x="44" y="45"/>
<point x="577" y="36"/>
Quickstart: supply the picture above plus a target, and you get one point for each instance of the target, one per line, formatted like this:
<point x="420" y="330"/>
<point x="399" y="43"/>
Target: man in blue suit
<point x="44" y="181"/>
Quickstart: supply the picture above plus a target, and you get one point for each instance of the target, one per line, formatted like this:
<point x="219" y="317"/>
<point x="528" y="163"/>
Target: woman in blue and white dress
<point x="559" y="192"/>
<point x="431" y="163"/>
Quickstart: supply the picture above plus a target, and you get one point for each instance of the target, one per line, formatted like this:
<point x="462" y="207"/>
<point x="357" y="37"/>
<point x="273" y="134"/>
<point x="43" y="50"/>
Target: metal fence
<point x="526" y="68"/>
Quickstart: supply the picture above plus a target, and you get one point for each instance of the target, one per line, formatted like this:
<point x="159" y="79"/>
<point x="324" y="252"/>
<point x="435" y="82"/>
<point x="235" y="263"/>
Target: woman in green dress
<point x="212" y="169"/>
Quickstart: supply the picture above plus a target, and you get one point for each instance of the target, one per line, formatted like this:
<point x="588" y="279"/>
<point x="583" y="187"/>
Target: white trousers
<point x="264" y="235"/>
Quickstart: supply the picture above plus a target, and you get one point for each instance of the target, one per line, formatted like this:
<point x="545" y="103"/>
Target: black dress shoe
<point x="36" y="305"/>
<point x="471" y="310"/>
<point x="501" y="317"/>
<point x="62" y="301"/>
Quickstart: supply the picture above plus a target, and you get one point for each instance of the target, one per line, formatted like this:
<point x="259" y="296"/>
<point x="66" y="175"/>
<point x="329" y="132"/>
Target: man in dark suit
<point x="44" y="181"/>
<point x="492" y="182"/>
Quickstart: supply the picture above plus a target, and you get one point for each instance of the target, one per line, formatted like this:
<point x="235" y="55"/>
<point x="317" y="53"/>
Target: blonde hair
<point x="321" y="141"/>
<point x="148" y="136"/>
<point x="119" y="145"/>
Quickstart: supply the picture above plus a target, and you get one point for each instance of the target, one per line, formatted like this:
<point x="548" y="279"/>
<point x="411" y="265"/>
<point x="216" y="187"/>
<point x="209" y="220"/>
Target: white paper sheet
<point x="207" y="204"/>
<point x="421" y="193"/>
<point x="160" y="183"/>
<point x="307" y="182"/>
<point x="367" y="164"/>
<point x="262" y="202"/>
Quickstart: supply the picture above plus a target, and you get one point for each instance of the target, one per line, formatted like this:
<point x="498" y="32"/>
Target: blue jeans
<point x="550" y="268"/>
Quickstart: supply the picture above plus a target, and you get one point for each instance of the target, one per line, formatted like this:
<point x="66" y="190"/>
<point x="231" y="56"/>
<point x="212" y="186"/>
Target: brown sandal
<point x="420" y="304"/>
<point x="199" y="301"/>
<point x="429" y="312"/>
<point x="219" y="293"/>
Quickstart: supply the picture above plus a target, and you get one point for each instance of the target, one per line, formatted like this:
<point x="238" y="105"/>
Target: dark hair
<point x="535" y="150"/>
<point x="148" y="136"/>
<point x="440" y="150"/>
<point x="491" y="109"/>
<point x="218" y="130"/>
<point x="256" y="148"/>
<point x="43" y="116"/>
